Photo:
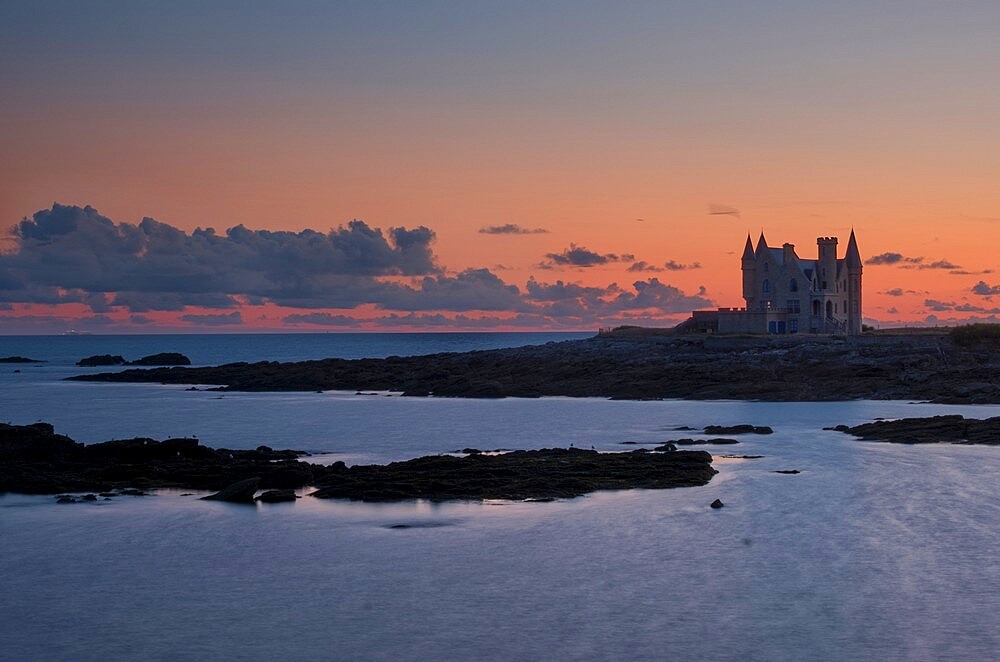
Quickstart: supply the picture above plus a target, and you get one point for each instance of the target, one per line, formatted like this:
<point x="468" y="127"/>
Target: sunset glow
<point x="586" y="126"/>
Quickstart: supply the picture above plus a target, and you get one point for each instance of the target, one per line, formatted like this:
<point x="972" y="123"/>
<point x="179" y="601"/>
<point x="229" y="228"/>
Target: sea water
<point x="873" y="551"/>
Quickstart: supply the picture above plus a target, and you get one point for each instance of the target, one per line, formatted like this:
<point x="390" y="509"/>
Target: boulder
<point x="738" y="429"/>
<point x="277" y="496"/>
<point x="101" y="359"/>
<point x="163" y="358"/>
<point x="239" y="492"/>
<point x="717" y="504"/>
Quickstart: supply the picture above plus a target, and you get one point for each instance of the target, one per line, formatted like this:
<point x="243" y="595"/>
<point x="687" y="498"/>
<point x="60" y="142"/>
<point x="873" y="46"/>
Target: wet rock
<point x="666" y="448"/>
<point x="277" y="496"/>
<point x="100" y="360"/>
<point x="19" y="359"/>
<point x="787" y="471"/>
<point x="717" y="504"/>
<point x="65" y="498"/>
<point x="722" y="441"/>
<point x="240" y="492"/>
<point x="518" y="475"/>
<point x="161" y="359"/>
<point x="953" y="428"/>
<point x="738" y="429"/>
<point x="839" y="428"/>
<point x="89" y="497"/>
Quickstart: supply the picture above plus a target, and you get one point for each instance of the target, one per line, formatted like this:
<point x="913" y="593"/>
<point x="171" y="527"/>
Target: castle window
<point x="793" y="325"/>
<point x="765" y="267"/>
<point x="766" y="287"/>
<point x="793" y="306"/>
<point x="845" y="306"/>
<point x="793" y="285"/>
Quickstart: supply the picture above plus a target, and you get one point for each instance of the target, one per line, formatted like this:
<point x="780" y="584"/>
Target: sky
<point x="404" y="166"/>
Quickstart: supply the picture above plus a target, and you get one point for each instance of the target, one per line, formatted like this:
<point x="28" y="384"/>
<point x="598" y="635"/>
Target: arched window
<point x="793" y="285"/>
<point x="816" y="308"/>
<point x="767" y="284"/>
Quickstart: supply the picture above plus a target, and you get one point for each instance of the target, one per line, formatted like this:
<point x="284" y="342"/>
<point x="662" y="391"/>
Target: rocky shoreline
<point x="952" y="429"/>
<point x="928" y="367"/>
<point x="36" y="460"/>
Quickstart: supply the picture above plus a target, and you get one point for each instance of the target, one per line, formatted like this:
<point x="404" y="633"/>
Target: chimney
<point x="788" y="253"/>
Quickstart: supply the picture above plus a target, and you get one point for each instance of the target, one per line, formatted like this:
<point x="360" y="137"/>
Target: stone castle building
<point x="786" y="294"/>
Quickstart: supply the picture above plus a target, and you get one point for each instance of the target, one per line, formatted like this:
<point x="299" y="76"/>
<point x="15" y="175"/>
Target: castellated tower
<point x="786" y="294"/>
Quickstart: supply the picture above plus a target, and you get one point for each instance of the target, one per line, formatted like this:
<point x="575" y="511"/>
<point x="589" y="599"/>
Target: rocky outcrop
<point x="277" y="496"/>
<point x="738" y="429"/>
<point x="541" y="474"/>
<point x="163" y="358"/>
<point x="800" y="368"/>
<point x="19" y="359"/>
<point x="36" y="460"/>
<point x="954" y="429"/>
<point x="239" y="492"/>
<point x="101" y="360"/>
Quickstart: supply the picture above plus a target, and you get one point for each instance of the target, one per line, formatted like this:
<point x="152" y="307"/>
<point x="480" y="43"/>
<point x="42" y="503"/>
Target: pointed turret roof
<point x="748" y="249"/>
<point x="852" y="257"/>
<point x="761" y="243"/>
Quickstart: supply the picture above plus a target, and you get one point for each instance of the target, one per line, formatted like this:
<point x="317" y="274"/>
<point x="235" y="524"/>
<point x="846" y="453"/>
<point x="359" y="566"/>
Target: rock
<point x="240" y="492"/>
<point x="665" y="448"/>
<point x="19" y="359"/>
<point x="953" y="428"/>
<point x="717" y="504"/>
<point x="277" y="496"/>
<point x="517" y="475"/>
<point x="65" y="498"/>
<point x="839" y="428"/>
<point x="100" y="360"/>
<point x="738" y="429"/>
<point x="787" y="471"/>
<point x="89" y="497"/>
<point x="163" y="358"/>
<point x="641" y="367"/>
<point x="131" y="491"/>
<point x="700" y="442"/>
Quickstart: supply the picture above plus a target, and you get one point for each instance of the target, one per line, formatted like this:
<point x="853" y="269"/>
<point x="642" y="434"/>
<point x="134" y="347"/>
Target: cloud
<point x="984" y="290"/>
<point x="140" y="320"/>
<point x="642" y="265"/>
<point x="676" y="266"/>
<point x="892" y="311"/>
<point x="578" y="256"/>
<point x="938" y="306"/>
<point x="68" y="251"/>
<point x="911" y="262"/>
<point x="898" y="292"/>
<point x="222" y="319"/>
<point x="887" y="258"/>
<point x="511" y="228"/>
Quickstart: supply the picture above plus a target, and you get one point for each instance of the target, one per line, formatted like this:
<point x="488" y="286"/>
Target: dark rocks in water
<point x="518" y="475"/>
<point x="839" y="428"/>
<point x="738" y="429"/>
<point x="683" y="428"/>
<point x="666" y="448"/>
<point x="101" y="360"/>
<point x="787" y="471"/>
<point x="277" y="496"/>
<point x="239" y="492"/>
<point x="742" y="457"/>
<point x="641" y="367"/>
<point x="19" y="359"/>
<point x="65" y="498"/>
<point x="36" y="460"/>
<point x="161" y="359"/>
<point x="717" y="504"/>
<point x="955" y="429"/>
<point x="700" y="442"/>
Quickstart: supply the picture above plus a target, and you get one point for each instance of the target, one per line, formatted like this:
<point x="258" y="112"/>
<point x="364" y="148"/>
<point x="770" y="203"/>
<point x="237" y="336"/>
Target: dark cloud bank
<point x="70" y="254"/>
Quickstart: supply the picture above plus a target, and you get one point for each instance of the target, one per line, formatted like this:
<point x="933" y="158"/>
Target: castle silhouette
<point x="785" y="294"/>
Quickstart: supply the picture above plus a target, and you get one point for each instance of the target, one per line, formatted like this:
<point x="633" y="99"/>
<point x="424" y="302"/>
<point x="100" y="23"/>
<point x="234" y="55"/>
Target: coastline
<point x="638" y="365"/>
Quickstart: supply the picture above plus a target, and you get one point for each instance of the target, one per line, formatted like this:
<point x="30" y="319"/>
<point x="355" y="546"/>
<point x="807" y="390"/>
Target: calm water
<point x="874" y="551"/>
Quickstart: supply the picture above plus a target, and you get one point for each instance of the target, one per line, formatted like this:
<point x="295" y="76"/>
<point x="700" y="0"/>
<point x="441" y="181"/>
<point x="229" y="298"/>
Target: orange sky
<point x="808" y="123"/>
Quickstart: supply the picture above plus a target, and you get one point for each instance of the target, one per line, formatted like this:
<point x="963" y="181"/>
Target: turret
<point x="852" y="260"/>
<point x="827" y="262"/>
<point x="749" y="265"/>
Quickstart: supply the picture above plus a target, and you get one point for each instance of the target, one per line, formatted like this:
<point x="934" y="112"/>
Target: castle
<point x="786" y="294"/>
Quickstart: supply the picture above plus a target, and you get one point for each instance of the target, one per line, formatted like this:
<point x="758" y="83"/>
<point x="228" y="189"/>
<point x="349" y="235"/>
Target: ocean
<point x="874" y="551"/>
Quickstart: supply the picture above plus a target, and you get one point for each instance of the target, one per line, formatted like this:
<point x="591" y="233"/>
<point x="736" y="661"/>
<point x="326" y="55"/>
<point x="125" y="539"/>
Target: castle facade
<point x="786" y="294"/>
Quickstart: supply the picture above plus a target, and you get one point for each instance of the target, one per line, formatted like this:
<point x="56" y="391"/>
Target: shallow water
<point x="874" y="551"/>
